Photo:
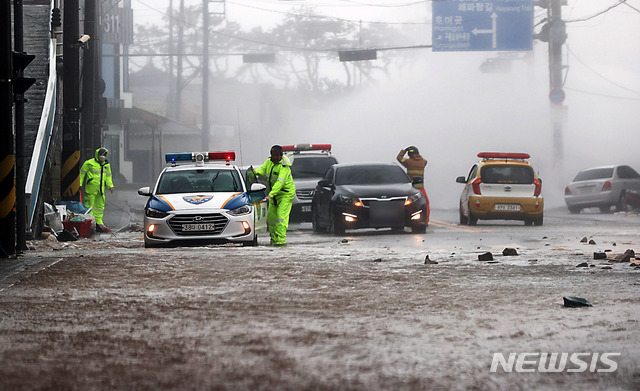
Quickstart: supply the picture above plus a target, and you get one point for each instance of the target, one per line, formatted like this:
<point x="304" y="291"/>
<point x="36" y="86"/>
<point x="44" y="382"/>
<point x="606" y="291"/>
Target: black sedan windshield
<point x="370" y="175"/>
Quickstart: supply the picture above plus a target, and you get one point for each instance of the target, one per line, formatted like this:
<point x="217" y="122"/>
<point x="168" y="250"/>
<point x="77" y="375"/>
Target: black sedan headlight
<point x="243" y="210"/>
<point x="155" y="213"/>
<point x="414" y="198"/>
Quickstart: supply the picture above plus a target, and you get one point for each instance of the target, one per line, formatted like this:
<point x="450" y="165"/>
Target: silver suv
<point x="601" y="187"/>
<point x="309" y="164"/>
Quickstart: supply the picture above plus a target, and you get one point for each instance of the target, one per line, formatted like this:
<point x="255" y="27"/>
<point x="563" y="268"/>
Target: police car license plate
<point x="507" y="207"/>
<point x="306" y="208"/>
<point x="198" y="227"/>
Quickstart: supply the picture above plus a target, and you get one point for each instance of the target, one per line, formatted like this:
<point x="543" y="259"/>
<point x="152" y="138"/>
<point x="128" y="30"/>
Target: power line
<point x="326" y="17"/>
<point x="600" y="94"/>
<point x="620" y="2"/>
<point x="278" y="45"/>
<point x="600" y="75"/>
<point x="632" y="7"/>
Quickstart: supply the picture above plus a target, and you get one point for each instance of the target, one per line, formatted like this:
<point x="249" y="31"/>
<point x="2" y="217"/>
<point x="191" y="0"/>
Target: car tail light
<point x="538" y="189"/>
<point x="476" y="186"/>
<point x="606" y="186"/>
<point x="567" y="191"/>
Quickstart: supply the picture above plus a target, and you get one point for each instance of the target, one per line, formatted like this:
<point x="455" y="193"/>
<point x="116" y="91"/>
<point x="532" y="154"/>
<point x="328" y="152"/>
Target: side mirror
<point x="417" y="180"/>
<point x="461" y="179"/>
<point x="324" y="183"/>
<point x="258" y="187"/>
<point x="145" y="191"/>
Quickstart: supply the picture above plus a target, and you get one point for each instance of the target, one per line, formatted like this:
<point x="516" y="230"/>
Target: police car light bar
<point x="306" y="147"/>
<point x="503" y="155"/>
<point x="226" y="156"/>
<point x="199" y="157"/>
<point x="178" y="157"/>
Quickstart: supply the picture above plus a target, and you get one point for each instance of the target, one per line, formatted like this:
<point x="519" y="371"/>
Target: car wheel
<point x="336" y="227"/>
<point x="463" y="218"/>
<point x="605" y="209"/>
<point x="314" y="221"/>
<point x="622" y="205"/>
<point x="149" y="245"/>
<point x="473" y="220"/>
<point x="419" y="229"/>
<point x="538" y="221"/>
<point x="251" y="243"/>
<point x="574" y="209"/>
<point x="528" y="222"/>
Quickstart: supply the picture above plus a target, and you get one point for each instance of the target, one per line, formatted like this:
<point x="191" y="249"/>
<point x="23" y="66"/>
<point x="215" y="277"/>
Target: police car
<point x="309" y="163"/>
<point x="202" y="198"/>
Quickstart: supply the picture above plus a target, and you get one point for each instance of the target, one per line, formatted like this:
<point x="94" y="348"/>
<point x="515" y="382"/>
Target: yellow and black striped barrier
<point x="70" y="176"/>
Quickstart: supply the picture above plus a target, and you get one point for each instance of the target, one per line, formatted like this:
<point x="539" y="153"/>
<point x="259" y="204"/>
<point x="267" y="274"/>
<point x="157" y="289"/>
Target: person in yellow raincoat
<point x="277" y="170"/>
<point x="95" y="178"/>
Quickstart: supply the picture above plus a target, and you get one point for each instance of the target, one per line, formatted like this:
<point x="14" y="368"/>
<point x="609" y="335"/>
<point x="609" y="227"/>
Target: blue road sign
<point x="482" y="25"/>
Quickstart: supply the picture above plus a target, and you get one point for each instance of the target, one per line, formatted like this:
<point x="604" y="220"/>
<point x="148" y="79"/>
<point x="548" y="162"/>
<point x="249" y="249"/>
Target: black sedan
<point x="367" y="195"/>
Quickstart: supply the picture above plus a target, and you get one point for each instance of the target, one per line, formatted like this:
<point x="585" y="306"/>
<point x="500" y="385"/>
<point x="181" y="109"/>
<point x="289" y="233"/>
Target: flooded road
<point x="355" y="312"/>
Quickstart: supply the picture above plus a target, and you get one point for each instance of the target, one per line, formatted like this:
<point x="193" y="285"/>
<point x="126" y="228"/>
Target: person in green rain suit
<point x="277" y="170"/>
<point x="95" y="178"/>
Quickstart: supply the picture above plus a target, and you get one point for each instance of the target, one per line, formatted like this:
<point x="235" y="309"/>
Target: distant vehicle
<point x="601" y="187"/>
<point x="202" y="198"/>
<point x="309" y="164"/>
<point x="367" y="195"/>
<point x="501" y="186"/>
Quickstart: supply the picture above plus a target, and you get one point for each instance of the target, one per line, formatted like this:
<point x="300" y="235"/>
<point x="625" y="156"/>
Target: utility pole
<point x="205" y="75"/>
<point x="179" y="86"/>
<point x="557" y="36"/>
<point x="171" y="107"/>
<point x="91" y="132"/>
<point x="21" y="173"/>
<point x="7" y="171"/>
<point x="70" y="181"/>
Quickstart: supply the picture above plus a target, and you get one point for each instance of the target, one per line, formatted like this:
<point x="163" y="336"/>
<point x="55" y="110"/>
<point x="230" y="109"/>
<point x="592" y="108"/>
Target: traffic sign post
<point x="556" y="95"/>
<point x="493" y="25"/>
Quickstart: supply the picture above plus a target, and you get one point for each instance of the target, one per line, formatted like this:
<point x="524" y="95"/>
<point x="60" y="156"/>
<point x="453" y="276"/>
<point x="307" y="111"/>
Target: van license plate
<point x="507" y="207"/>
<point x="306" y="208"/>
<point x="198" y="227"/>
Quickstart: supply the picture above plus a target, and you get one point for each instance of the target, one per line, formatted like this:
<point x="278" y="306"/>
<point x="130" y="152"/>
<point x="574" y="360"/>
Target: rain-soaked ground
<point x="356" y="312"/>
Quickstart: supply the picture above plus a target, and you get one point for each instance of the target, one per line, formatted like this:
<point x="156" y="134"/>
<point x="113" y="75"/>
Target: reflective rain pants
<point x="97" y="201"/>
<point x="424" y="193"/>
<point x="278" y="218"/>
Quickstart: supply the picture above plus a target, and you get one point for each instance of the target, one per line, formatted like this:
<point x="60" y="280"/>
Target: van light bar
<point x="503" y="155"/>
<point x="306" y="147"/>
<point x="199" y="157"/>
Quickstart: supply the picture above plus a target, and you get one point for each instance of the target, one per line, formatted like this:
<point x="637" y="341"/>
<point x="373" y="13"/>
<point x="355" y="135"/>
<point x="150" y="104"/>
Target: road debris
<point x="428" y="261"/>
<point x="485" y="257"/>
<point x="626" y="257"/>
<point x="575" y="302"/>
<point x="507" y="252"/>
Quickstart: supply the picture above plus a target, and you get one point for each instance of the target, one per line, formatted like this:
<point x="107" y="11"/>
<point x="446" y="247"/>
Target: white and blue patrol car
<point x="202" y="198"/>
